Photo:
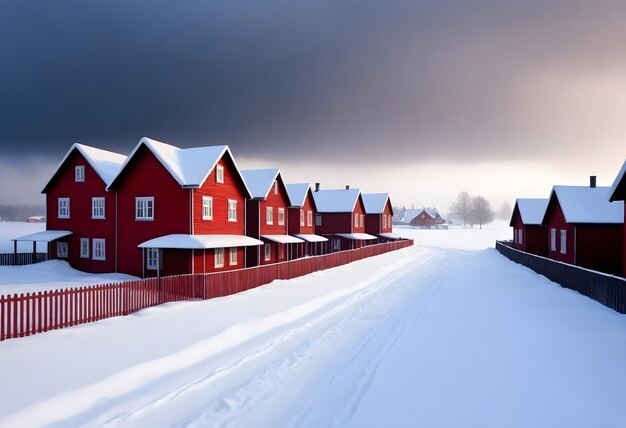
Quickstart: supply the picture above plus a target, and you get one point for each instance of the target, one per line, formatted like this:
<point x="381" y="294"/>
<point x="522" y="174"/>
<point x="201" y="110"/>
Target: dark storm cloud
<point x="435" y="80"/>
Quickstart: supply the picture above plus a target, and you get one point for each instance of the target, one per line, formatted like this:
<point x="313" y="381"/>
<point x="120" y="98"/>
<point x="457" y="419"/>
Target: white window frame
<point x="63" y="208"/>
<point x="553" y="239"/>
<point x="144" y="201"/>
<point x="232" y="210"/>
<point x="232" y="256"/>
<point x="98" y="249"/>
<point x="563" y="243"/>
<point x="268" y="252"/>
<point x="276" y="187"/>
<point x="84" y="248"/>
<point x="152" y="259"/>
<point x="362" y="219"/>
<point x="281" y="216"/>
<point x="207" y="208"/>
<point x="79" y="173"/>
<point x="356" y="220"/>
<point x="218" y="255"/>
<point x="301" y="217"/>
<point x="269" y="215"/>
<point x="219" y="174"/>
<point x="97" y="208"/>
<point x="62" y="250"/>
<point x="309" y="218"/>
<point x="520" y="237"/>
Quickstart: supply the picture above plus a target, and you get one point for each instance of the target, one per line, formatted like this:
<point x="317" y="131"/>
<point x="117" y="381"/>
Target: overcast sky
<point x="419" y="98"/>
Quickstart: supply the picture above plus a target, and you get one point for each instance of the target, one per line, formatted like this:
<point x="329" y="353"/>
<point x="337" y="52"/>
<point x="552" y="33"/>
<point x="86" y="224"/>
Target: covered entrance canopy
<point x="389" y="236"/>
<point x="200" y="242"/>
<point x="311" y="237"/>
<point x="282" y="239"/>
<point x="357" y="236"/>
<point x="46" y="236"/>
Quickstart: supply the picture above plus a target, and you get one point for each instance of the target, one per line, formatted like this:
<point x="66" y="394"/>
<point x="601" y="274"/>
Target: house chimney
<point x="347" y="187"/>
<point x="592" y="181"/>
<point x="317" y="187"/>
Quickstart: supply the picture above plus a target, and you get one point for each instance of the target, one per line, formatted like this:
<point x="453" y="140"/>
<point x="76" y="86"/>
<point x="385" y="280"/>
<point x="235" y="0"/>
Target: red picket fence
<point x="32" y="313"/>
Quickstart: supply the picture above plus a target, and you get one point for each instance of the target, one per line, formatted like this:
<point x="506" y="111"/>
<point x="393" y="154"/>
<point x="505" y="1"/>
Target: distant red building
<point x="528" y="233"/>
<point x="618" y="193"/>
<point x="301" y="213"/>
<point x="424" y="218"/>
<point x="378" y="216"/>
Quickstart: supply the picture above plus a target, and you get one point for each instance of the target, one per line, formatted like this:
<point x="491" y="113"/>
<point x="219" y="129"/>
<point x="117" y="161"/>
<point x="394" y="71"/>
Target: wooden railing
<point x="20" y="259"/>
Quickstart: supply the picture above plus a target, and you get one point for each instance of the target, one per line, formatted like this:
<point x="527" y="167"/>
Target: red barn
<point x="584" y="228"/>
<point x="378" y="216"/>
<point x="528" y="233"/>
<point x="301" y="216"/>
<point x="266" y="217"/>
<point x="427" y="218"/>
<point x="618" y="193"/>
<point x="341" y="215"/>
<point x="180" y="211"/>
<point x="80" y="212"/>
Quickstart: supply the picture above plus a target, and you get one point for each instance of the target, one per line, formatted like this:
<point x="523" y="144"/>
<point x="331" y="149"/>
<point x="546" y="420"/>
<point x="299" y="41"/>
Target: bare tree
<point x="462" y="207"/>
<point x="481" y="211"/>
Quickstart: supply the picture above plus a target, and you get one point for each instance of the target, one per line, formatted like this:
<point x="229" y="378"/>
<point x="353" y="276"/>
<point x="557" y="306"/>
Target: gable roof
<point x="531" y="210"/>
<point x="618" y="189"/>
<point x="336" y="200"/>
<point x="106" y="164"/>
<point x="375" y="202"/>
<point x="584" y="204"/>
<point x="297" y="193"/>
<point x="260" y="181"/>
<point x="411" y="213"/>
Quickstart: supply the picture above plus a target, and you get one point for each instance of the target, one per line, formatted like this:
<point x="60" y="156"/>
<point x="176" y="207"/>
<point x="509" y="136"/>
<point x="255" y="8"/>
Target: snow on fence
<point x="606" y="289"/>
<point x="32" y="313"/>
<point x="20" y="259"/>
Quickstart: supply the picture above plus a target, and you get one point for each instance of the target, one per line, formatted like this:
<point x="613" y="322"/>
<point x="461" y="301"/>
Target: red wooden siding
<point x="556" y="220"/>
<point x="294" y="217"/>
<point x="374" y="224"/>
<point x="534" y="237"/>
<point x="600" y="247"/>
<point x="423" y="220"/>
<point x="204" y="261"/>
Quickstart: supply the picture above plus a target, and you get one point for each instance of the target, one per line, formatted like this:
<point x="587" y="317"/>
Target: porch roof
<point x="200" y="242"/>
<point x="44" y="236"/>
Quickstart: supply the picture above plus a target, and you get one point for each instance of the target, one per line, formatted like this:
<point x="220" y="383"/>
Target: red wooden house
<point x="301" y="218"/>
<point x="584" y="228"/>
<point x="80" y="212"/>
<point x="424" y="218"/>
<point x="528" y="233"/>
<point x="341" y="216"/>
<point x="180" y="210"/>
<point x="378" y="216"/>
<point x="266" y="217"/>
<point x="618" y="193"/>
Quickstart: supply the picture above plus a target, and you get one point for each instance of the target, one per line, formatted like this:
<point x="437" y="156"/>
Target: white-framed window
<point x="64" y="208"/>
<point x="79" y="173"/>
<point x="152" y="261"/>
<point x="520" y="236"/>
<point x="207" y="208"/>
<point x="563" y="241"/>
<point x="276" y="187"/>
<point x="318" y="219"/>
<point x="62" y="250"/>
<point x="232" y="256"/>
<point x="269" y="215"/>
<point x="552" y="239"/>
<point x="97" y="207"/>
<point x="232" y="210"/>
<point x="84" y="248"/>
<point x="268" y="252"/>
<point x="301" y="217"/>
<point x="219" y="257"/>
<point x="362" y="219"/>
<point x="219" y="174"/>
<point x="309" y="218"/>
<point x="356" y="220"/>
<point x="144" y="208"/>
<point x="281" y="216"/>
<point x="99" y="252"/>
<point x="384" y="220"/>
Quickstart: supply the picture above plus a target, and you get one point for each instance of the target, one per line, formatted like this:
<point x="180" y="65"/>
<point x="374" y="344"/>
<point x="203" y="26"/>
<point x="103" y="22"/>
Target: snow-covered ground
<point x="432" y="335"/>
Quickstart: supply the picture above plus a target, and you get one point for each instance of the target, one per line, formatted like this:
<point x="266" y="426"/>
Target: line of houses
<point x="164" y="210"/>
<point x="578" y="225"/>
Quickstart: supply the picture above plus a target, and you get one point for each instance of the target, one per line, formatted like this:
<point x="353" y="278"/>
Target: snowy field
<point x="14" y="229"/>
<point x="447" y="333"/>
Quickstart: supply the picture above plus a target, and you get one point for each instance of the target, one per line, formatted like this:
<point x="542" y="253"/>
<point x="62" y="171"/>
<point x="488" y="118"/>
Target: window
<point x="64" y="208"/>
<point x="97" y="207"/>
<point x="232" y="210"/>
<point x="552" y="239"/>
<point x="99" y="249"/>
<point x="281" y="216"/>
<point x="276" y="187"/>
<point x="281" y="251"/>
<point x="269" y="215"/>
<point x="207" y="208"/>
<point x="384" y="220"/>
<point x="318" y="219"/>
<point x="62" y="250"/>
<point x="84" y="248"/>
<point x="144" y="208"/>
<point x="219" y="174"/>
<point x="309" y="218"/>
<point x="356" y="220"/>
<point x="336" y="244"/>
<point x="268" y="252"/>
<point x="79" y="173"/>
<point x="301" y="217"/>
<point x="520" y="238"/>
<point x="219" y="257"/>
<point x="563" y="241"/>
<point x="153" y="259"/>
<point x="362" y="219"/>
<point x="232" y="256"/>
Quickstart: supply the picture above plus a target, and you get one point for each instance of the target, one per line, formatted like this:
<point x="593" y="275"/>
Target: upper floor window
<point x="144" y="208"/>
<point x="219" y="257"/>
<point x="269" y="215"/>
<point x="207" y="208"/>
<point x="64" y="208"/>
<point x="97" y="207"/>
<point x="219" y="174"/>
<point x="99" y="249"/>
<point x="301" y="217"/>
<point x="281" y="216"/>
<point x="563" y="241"/>
<point x="552" y="239"/>
<point x="356" y="220"/>
<point x="520" y="236"/>
<point x="232" y="210"/>
<point x="309" y="218"/>
<point x="318" y="219"/>
<point x="276" y="187"/>
<point x="79" y="173"/>
<point x="362" y="219"/>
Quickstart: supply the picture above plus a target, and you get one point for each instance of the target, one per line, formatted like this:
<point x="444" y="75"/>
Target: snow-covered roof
<point x="336" y="200"/>
<point x="297" y="193"/>
<point x="283" y="239"/>
<point x="531" y="210"/>
<point x="309" y="237"/>
<point x="106" y="164"/>
<point x="410" y="214"/>
<point x="200" y="242"/>
<point x="357" y="236"/>
<point x="375" y="202"/>
<point x="260" y="181"/>
<point x="44" y="236"/>
<point x="618" y="189"/>
<point x="583" y="204"/>
<point x="389" y="235"/>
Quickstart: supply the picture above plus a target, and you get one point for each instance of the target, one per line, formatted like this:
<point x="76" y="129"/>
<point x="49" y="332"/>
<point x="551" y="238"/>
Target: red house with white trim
<point x="618" y="193"/>
<point x="528" y="233"/>
<point x="584" y="228"/>
<point x="378" y="216"/>
<point x="301" y="214"/>
<point x="266" y="217"/>
<point x="180" y="211"/>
